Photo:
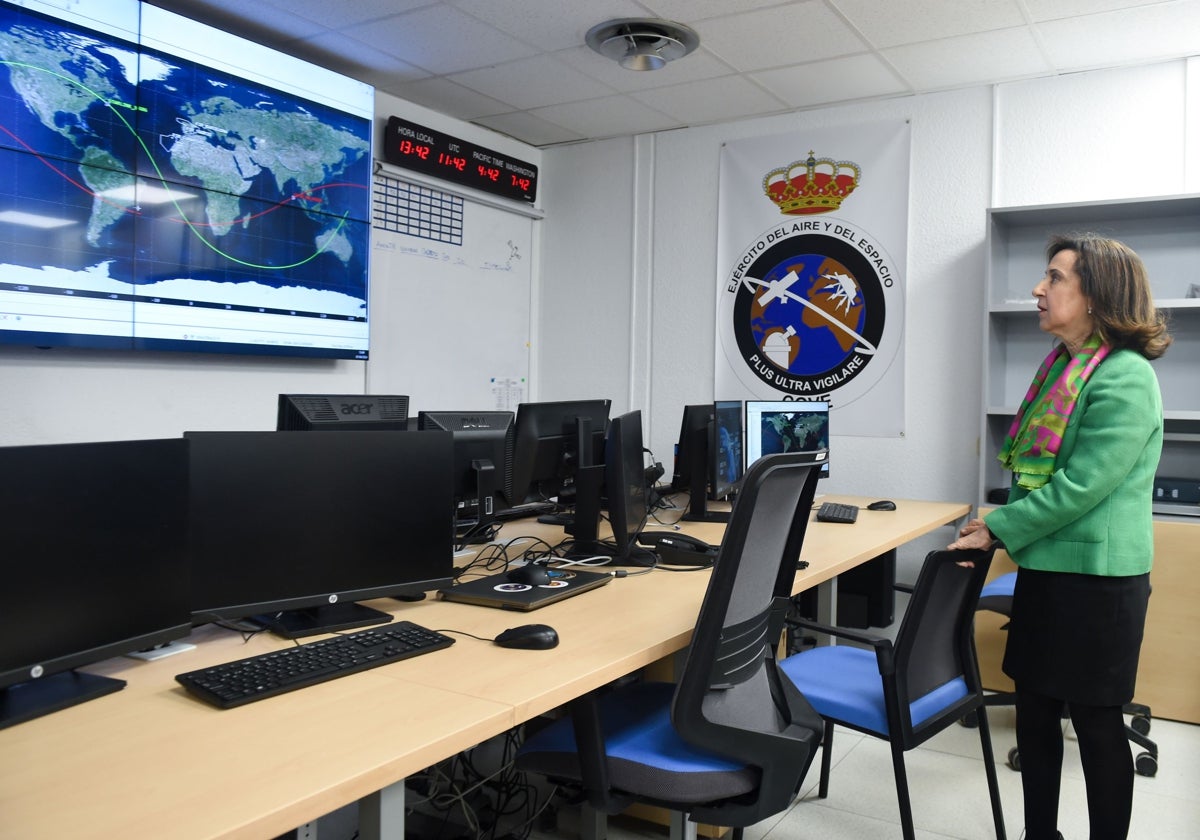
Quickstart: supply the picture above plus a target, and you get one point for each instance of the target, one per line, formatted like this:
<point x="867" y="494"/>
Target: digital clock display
<point x="421" y="149"/>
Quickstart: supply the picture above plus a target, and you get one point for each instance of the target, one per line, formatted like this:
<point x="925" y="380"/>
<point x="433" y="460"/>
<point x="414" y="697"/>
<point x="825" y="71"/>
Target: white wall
<point x="64" y="395"/>
<point x="1091" y="136"/>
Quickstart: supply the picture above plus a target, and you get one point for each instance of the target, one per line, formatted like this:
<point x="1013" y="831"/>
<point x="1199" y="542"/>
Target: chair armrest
<point x="882" y="647"/>
<point x="904" y="587"/>
<point x="840" y="632"/>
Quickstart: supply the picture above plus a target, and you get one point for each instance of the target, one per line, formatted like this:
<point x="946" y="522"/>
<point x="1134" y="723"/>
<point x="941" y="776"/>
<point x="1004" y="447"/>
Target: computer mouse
<point x="530" y="573"/>
<point x="882" y="504"/>
<point x="528" y="637"/>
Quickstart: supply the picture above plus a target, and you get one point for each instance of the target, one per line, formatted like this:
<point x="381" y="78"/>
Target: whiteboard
<point x="450" y="320"/>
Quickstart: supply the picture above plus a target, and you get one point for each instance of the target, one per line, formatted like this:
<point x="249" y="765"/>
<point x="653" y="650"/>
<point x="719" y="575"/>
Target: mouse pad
<point x="499" y="591"/>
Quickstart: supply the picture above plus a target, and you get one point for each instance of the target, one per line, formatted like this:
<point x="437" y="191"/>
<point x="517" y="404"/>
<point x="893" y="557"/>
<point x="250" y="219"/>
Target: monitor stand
<point x="26" y="701"/>
<point x="327" y="618"/>
<point x="697" y="510"/>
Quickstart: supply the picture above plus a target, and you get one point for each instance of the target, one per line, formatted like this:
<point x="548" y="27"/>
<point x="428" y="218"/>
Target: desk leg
<point x="381" y="814"/>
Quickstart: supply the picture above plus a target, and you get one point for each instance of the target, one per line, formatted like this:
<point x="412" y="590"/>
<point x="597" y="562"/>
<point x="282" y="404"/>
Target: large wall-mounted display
<point x="167" y="186"/>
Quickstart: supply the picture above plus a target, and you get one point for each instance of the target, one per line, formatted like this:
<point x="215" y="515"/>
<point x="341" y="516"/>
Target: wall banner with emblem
<point x="812" y="245"/>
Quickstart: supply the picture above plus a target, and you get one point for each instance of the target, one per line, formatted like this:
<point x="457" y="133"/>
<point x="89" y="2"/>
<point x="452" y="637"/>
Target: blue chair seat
<point x="843" y="683"/>
<point x="644" y="751"/>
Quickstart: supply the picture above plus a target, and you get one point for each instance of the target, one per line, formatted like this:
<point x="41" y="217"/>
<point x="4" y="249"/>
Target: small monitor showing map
<point x="168" y="186"/>
<point x="776" y="426"/>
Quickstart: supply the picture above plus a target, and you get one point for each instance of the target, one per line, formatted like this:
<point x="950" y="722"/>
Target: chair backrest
<point x="935" y="643"/>
<point x="730" y="698"/>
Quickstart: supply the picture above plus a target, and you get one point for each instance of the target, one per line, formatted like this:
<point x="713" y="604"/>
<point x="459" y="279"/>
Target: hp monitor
<point x="773" y="426"/>
<point x="481" y="444"/>
<point x="345" y="412"/>
<point x="291" y="530"/>
<point x="93" y="565"/>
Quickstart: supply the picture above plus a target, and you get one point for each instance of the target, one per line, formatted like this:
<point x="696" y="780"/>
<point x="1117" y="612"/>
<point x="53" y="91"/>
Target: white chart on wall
<point x="450" y="319"/>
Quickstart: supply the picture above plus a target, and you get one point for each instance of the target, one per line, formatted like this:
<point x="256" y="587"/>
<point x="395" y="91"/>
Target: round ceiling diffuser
<point x="642" y="43"/>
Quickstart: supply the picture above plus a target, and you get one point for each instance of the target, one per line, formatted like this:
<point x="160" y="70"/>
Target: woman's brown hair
<point x="1117" y="287"/>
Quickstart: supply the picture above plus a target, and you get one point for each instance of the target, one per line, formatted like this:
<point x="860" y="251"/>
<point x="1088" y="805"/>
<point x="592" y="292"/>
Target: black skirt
<point x="1077" y="637"/>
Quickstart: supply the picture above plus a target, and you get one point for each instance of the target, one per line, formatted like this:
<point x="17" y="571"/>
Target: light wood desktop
<point x="1168" y="676"/>
<point x="151" y="761"/>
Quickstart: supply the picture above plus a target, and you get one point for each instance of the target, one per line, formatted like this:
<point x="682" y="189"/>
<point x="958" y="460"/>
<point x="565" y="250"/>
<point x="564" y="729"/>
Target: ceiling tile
<point x="696" y="103"/>
<point x="343" y="54"/>
<point x="543" y="23"/>
<point x="1040" y="10"/>
<point x="441" y="39"/>
<point x="529" y="129"/>
<point x="337" y="14"/>
<point x="693" y="10"/>
<point x="913" y="21"/>
<point x="532" y="83"/>
<point x="835" y="80"/>
<point x="610" y="116"/>
<point x="450" y="98"/>
<point x="774" y="37"/>
<point x="970" y="59"/>
<point x="1128" y="36"/>
<point x="692" y="67"/>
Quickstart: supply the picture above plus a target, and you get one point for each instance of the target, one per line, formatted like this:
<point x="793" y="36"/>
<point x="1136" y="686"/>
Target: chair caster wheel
<point x="970" y="720"/>
<point x="1140" y="724"/>
<point x="1014" y="760"/>
<point x="1146" y="764"/>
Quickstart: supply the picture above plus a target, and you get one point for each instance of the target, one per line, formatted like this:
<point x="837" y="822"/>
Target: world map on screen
<point x="122" y="167"/>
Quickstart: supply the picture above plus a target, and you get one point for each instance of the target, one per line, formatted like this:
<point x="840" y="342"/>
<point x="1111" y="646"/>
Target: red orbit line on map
<point x="278" y="205"/>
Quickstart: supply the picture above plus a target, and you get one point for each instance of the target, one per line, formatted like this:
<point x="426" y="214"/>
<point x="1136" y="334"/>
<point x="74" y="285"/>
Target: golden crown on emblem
<point x="815" y="185"/>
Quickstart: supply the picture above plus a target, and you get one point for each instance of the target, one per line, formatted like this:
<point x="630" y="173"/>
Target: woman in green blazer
<point x="1083" y="450"/>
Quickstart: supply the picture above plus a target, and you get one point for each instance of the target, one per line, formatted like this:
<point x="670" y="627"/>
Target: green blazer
<point x="1093" y="516"/>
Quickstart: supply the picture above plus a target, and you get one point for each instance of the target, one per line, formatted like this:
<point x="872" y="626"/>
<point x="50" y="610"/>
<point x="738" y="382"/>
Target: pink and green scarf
<point x="1035" y="436"/>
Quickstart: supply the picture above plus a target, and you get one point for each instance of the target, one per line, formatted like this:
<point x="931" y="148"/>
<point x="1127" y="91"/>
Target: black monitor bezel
<point x="720" y="488"/>
<point x="388" y="453"/>
<point x="625" y="485"/>
<point x="351" y="412"/>
<point x="817" y="406"/>
<point x="134" y="494"/>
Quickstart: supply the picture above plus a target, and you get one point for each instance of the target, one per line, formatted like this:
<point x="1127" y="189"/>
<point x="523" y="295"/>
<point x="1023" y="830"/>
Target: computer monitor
<point x="691" y="446"/>
<point x="342" y="412"/>
<point x="558" y="452"/>
<point x="92" y="566"/>
<point x="783" y="426"/>
<point x="694" y="463"/>
<point x="481" y="443"/>
<point x="292" y="529"/>
<point x="625" y="486"/>
<point x="725" y="453"/>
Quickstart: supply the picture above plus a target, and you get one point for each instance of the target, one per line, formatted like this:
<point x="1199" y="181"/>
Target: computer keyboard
<point x="837" y="512"/>
<point x="269" y="674"/>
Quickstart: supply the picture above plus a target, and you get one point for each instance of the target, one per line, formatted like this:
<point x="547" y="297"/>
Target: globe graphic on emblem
<point x="808" y="340"/>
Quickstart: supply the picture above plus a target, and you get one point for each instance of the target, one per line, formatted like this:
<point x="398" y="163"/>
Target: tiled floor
<point x="949" y="792"/>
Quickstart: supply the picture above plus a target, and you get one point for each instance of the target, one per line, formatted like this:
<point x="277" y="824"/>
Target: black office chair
<point x="730" y="743"/>
<point x="905" y="692"/>
<point x="997" y="597"/>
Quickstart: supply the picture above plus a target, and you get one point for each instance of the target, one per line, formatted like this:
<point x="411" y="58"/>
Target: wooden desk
<point x="150" y="761"/>
<point x="1169" y="667"/>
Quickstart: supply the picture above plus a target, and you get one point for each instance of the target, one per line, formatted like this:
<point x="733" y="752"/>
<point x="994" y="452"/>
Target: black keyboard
<point x="837" y="512"/>
<point x="268" y="674"/>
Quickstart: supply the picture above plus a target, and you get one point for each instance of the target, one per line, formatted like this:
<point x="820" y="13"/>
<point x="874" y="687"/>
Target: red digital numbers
<point x="523" y="183"/>
<point x="489" y="172"/>
<point x="452" y="160"/>
<point x="408" y="147"/>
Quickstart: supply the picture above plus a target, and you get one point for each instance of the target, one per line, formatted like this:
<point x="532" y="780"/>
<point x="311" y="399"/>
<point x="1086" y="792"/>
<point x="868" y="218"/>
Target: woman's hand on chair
<point x="973" y="535"/>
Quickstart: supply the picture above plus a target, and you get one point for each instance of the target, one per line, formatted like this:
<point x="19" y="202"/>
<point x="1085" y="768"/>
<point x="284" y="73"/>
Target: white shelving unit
<point x="1166" y="234"/>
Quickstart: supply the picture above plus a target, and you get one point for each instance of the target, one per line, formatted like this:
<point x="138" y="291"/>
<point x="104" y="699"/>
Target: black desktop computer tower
<point x="866" y="595"/>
